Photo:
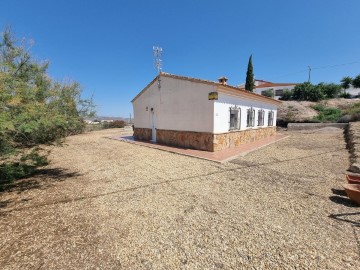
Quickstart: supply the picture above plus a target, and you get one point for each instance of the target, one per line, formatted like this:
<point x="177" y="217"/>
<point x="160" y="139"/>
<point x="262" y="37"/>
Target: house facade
<point x="199" y="114"/>
<point x="277" y="88"/>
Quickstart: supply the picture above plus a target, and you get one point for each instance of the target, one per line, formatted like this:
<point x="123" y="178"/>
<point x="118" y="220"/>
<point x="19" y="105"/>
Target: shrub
<point x="345" y="95"/>
<point x="268" y="93"/>
<point x="307" y="91"/>
<point x="34" y="109"/>
<point x="117" y="124"/>
<point x="330" y="90"/>
<point x="327" y="114"/>
<point x="287" y="95"/>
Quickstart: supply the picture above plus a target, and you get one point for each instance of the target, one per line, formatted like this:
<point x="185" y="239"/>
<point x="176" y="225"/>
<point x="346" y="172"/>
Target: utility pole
<point x="130" y="118"/>
<point x="309" y="73"/>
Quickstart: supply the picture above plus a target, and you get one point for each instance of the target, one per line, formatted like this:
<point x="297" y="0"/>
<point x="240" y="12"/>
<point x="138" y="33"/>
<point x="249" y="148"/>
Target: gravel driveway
<point x="106" y="204"/>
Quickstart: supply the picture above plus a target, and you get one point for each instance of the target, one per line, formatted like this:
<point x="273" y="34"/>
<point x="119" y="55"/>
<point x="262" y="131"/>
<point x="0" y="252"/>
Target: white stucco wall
<point x="184" y="106"/>
<point x="222" y="112"/>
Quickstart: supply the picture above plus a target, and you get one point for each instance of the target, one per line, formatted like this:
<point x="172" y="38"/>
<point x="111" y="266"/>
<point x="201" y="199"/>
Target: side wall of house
<point x="178" y="105"/>
<point x="222" y="112"/>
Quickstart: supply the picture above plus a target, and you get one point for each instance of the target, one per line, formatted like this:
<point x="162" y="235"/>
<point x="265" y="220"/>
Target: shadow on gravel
<point x="41" y="179"/>
<point x="339" y="192"/>
<point x="344" y="201"/>
<point x="351" y="218"/>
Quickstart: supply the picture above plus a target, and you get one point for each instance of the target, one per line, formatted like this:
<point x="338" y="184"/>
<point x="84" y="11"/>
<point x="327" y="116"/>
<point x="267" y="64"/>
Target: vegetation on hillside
<point x="310" y="92"/>
<point x="34" y="109"/>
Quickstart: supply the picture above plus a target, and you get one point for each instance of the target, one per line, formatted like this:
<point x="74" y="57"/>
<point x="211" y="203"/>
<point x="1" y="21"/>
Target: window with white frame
<point x="271" y="118"/>
<point x="235" y="118"/>
<point x="250" y="117"/>
<point x="261" y="114"/>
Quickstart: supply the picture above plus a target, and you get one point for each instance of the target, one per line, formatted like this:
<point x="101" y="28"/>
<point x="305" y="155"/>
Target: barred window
<point x="271" y="119"/>
<point x="234" y="118"/>
<point x="250" y="117"/>
<point x="261" y="114"/>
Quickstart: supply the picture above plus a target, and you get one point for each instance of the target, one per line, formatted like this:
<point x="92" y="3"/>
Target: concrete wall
<point x="179" y="105"/>
<point x="222" y="112"/>
<point x="310" y="126"/>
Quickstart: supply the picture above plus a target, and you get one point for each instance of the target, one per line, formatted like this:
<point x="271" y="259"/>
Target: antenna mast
<point x="157" y="52"/>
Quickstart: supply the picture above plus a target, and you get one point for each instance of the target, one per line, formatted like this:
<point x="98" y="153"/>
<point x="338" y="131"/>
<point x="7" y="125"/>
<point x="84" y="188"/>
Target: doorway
<point x="153" y="125"/>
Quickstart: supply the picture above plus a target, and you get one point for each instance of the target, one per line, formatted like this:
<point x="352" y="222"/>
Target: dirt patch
<point x="131" y="207"/>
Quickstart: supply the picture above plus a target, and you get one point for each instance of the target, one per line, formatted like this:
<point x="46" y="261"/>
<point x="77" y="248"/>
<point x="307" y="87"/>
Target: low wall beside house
<point x="237" y="138"/>
<point x="186" y="139"/>
<point x="142" y="134"/>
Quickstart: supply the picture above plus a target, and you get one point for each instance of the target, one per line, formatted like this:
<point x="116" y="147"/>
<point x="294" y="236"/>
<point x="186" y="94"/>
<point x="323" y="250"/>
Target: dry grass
<point x="106" y="204"/>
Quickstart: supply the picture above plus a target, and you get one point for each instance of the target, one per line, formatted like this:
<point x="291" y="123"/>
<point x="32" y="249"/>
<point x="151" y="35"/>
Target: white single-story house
<point x="200" y="114"/>
<point x="278" y="88"/>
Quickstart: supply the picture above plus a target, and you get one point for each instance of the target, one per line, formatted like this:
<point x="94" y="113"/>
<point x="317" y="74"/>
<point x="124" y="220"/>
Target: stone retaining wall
<point x="212" y="142"/>
<point x="142" y="134"/>
<point x="352" y="138"/>
<point x="236" y="138"/>
<point x="186" y="139"/>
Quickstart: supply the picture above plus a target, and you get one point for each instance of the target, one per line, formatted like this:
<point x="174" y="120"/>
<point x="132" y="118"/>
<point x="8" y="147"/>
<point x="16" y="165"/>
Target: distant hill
<point x="100" y="118"/>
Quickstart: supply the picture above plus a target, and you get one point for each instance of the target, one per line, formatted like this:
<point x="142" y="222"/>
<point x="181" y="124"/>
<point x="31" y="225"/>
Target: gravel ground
<point x="106" y="204"/>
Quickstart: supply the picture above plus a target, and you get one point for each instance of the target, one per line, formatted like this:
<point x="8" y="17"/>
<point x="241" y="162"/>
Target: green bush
<point x="307" y="91"/>
<point x="327" y="114"/>
<point x="268" y="93"/>
<point x="345" y="95"/>
<point x="287" y="95"/>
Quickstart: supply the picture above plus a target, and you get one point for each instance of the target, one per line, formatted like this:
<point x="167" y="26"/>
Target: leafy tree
<point x="34" y="109"/>
<point x="330" y="90"/>
<point x="356" y="81"/>
<point x="307" y="91"/>
<point x="250" y="83"/>
<point x="346" y="82"/>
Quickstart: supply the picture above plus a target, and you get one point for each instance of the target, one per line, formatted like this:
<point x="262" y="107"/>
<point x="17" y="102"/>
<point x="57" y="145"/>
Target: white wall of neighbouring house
<point x="258" y="90"/>
<point x="353" y="91"/>
<point x="180" y="105"/>
<point x="222" y="112"/>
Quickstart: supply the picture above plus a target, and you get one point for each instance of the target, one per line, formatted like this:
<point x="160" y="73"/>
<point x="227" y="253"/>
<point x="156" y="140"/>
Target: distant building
<point x="201" y="114"/>
<point x="278" y="88"/>
<point x="354" y="92"/>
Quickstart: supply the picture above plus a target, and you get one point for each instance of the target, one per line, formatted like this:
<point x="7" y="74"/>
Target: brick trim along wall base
<point x="142" y="134"/>
<point x="204" y="141"/>
<point x="236" y="138"/>
<point x="186" y="139"/>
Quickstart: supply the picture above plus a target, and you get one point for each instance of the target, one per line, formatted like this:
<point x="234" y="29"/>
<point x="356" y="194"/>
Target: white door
<point x="153" y="133"/>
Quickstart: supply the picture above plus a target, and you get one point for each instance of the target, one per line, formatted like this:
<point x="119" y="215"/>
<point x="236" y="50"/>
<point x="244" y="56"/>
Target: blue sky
<point x="107" y="45"/>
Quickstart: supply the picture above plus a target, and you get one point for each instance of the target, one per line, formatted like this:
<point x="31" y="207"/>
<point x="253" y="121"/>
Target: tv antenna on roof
<point x="157" y="52"/>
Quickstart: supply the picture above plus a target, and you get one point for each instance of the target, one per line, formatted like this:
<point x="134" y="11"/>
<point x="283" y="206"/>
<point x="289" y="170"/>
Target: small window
<point x="279" y="92"/>
<point x="234" y="118"/>
<point x="271" y="119"/>
<point x="261" y="114"/>
<point x="250" y="117"/>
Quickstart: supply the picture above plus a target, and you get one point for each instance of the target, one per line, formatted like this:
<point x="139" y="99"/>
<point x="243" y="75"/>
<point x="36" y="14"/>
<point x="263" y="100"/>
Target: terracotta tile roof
<point x="270" y="84"/>
<point x="223" y="87"/>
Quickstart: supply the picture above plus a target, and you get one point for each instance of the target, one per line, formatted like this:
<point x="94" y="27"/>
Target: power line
<point x="316" y="68"/>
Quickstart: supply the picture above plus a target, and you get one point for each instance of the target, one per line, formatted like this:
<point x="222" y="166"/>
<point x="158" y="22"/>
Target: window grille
<point x="250" y="117"/>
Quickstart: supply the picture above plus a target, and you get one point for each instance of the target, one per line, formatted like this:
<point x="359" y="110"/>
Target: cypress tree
<point x="250" y="84"/>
